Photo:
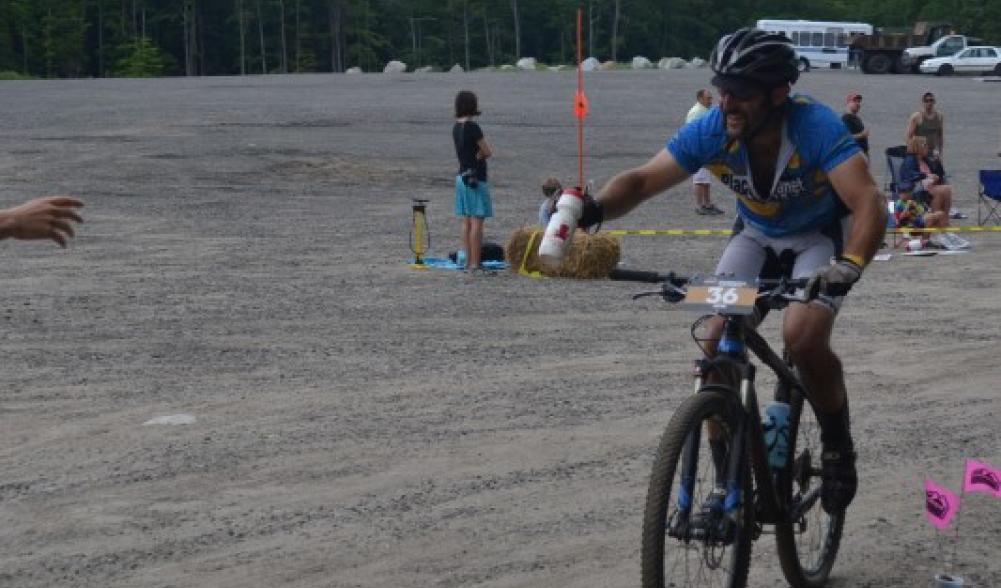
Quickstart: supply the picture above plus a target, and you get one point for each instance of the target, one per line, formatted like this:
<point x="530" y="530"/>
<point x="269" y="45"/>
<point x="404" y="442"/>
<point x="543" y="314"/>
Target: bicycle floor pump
<point x="420" y="232"/>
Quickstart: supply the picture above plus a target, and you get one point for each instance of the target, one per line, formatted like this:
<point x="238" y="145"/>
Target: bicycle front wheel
<point x="809" y="538"/>
<point x="702" y="537"/>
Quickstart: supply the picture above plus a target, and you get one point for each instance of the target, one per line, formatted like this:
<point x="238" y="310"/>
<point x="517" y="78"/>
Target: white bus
<point x="818" y="43"/>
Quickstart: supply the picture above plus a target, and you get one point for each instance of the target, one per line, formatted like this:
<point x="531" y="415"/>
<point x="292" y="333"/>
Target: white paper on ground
<point x="172" y="419"/>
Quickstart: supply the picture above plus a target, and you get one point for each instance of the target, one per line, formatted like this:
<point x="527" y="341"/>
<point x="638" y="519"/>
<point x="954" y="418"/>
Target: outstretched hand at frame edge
<point x="49" y="217"/>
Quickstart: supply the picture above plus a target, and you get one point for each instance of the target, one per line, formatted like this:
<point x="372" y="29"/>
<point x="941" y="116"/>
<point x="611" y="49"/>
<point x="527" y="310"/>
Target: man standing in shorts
<point x="930" y="124"/>
<point x="701" y="179"/>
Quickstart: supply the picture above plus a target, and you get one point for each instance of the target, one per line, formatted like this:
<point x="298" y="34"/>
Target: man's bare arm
<point x="854" y="184"/>
<point x="941" y="136"/>
<point x="628" y="189"/>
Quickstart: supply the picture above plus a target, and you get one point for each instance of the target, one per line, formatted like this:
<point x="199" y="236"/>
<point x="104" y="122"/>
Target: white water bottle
<point x="559" y="233"/>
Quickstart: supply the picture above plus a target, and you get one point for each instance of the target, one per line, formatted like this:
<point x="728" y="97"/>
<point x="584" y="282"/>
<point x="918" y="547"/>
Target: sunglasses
<point x="740" y="93"/>
<point x="739" y="89"/>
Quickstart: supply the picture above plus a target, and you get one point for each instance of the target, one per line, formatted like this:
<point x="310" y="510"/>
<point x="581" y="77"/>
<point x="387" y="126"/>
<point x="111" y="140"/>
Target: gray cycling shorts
<point x="746" y="253"/>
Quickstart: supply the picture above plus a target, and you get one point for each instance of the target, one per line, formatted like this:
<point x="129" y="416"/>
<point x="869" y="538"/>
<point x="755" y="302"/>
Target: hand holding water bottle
<point x="574" y="208"/>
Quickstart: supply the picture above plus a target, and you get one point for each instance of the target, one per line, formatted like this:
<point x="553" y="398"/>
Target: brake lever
<point x="645" y="294"/>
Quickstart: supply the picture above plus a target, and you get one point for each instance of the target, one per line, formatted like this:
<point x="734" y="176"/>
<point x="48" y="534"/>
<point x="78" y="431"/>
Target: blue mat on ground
<point x="446" y="263"/>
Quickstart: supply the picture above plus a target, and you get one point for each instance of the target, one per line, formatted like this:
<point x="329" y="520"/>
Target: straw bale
<point x="589" y="257"/>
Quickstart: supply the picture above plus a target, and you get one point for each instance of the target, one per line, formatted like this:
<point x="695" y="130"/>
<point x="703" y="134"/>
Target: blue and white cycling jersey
<point x="802" y="199"/>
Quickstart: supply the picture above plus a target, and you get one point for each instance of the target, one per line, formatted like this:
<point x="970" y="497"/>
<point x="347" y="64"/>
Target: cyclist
<point x="797" y="175"/>
<point x="49" y="217"/>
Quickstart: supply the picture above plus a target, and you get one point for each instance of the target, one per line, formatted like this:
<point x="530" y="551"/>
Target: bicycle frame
<point x="735" y="374"/>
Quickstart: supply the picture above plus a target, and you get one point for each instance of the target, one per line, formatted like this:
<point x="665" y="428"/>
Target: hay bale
<point x="590" y="256"/>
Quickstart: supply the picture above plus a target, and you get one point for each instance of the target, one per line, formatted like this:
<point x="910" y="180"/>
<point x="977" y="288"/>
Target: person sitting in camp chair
<point x="924" y="178"/>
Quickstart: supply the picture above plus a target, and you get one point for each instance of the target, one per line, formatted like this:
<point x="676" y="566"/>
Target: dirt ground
<point x="363" y="424"/>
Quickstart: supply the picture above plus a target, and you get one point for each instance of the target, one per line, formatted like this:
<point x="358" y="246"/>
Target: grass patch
<point x="13" y="75"/>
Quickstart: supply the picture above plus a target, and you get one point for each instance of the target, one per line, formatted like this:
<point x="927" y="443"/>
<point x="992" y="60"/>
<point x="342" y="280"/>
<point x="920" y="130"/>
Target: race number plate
<point x="722" y="295"/>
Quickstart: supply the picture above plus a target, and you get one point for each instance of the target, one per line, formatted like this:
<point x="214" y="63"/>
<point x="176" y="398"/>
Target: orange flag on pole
<point x="580" y="104"/>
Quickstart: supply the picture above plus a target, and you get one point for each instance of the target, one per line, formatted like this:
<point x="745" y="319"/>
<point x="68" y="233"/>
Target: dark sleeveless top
<point x="930" y="129"/>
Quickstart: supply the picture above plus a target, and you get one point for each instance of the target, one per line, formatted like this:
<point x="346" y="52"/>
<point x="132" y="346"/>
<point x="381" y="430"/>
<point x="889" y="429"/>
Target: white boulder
<point x="456" y="69"/>
<point x="507" y="67"/>
<point x="671" y="63"/>
<point x="697" y="62"/>
<point x="590" y="64"/>
<point x="526" y="64"/>
<point x="425" y="69"/>
<point x="560" y="67"/>
<point x="394" y="67"/>
<point x="640" y="62"/>
<point x="353" y="70"/>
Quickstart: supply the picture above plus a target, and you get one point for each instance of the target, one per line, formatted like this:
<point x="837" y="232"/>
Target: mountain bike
<point x="727" y="488"/>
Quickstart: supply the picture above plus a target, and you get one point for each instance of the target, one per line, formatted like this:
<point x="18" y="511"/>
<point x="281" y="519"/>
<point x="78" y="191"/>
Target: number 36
<point x="719" y="295"/>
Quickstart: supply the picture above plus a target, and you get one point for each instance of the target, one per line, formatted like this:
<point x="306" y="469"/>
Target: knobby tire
<point x="799" y="573"/>
<point x="690" y="416"/>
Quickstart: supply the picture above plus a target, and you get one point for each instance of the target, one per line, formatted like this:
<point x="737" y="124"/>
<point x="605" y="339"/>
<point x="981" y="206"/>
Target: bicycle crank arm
<point x="805" y="504"/>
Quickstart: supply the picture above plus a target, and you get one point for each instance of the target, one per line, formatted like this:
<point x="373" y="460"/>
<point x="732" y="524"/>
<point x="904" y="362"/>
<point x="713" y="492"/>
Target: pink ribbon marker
<point x="981" y="477"/>
<point x="941" y="505"/>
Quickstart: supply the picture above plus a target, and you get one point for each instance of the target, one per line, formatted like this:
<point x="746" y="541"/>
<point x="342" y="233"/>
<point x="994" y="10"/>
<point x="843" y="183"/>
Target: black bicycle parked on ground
<point x="713" y="491"/>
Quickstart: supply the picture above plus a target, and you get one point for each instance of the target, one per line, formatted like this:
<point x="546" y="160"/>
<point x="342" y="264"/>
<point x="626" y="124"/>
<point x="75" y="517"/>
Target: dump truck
<point x="883" y="51"/>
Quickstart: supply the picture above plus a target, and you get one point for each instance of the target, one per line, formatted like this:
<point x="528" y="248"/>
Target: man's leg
<point x="807" y="334"/>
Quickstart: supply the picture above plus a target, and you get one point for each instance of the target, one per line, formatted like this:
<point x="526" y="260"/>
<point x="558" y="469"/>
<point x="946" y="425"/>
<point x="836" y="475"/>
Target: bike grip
<point x="625" y="275"/>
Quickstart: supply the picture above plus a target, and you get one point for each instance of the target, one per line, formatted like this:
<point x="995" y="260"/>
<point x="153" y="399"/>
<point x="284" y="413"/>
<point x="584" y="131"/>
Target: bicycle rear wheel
<point x="808" y="540"/>
<point x="687" y="541"/>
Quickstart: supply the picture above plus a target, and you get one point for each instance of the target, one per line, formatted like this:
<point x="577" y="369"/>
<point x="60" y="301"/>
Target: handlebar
<point x="775" y="293"/>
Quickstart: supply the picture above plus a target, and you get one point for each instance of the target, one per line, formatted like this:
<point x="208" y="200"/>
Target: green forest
<point x="130" y="38"/>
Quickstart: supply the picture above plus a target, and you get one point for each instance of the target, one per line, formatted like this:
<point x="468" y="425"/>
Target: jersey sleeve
<point x="696" y="142"/>
<point x="828" y="137"/>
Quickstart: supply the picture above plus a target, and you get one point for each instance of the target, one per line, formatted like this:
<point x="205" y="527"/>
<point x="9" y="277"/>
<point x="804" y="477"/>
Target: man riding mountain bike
<point x="797" y="175"/>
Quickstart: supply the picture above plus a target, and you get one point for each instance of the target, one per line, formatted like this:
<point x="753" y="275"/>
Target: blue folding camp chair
<point x="989" y="197"/>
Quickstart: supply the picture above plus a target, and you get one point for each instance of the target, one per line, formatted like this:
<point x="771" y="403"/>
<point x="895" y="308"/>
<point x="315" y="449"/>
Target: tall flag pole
<point x="580" y="101"/>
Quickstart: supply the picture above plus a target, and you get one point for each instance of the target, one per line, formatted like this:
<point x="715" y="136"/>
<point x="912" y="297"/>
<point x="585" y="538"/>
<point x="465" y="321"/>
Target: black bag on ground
<point x="488" y="252"/>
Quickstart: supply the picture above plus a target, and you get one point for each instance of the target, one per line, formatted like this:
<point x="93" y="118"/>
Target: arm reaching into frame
<point x="49" y="217"/>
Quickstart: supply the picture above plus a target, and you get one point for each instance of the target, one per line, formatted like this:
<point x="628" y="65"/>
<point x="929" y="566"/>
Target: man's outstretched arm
<point x="628" y="189"/>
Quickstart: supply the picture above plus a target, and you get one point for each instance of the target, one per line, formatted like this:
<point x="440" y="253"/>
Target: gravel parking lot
<point x="363" y="424"/>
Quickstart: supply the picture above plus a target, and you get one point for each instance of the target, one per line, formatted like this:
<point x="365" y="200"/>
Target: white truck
<point x="944" y="47"/>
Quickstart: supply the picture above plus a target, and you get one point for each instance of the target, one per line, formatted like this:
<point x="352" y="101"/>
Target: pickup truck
<point x="944" y="47"/>
<point x="883" y="51"/>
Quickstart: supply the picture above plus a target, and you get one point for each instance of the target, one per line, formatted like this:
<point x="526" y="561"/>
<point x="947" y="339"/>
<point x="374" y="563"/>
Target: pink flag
<point x="981" y="477"/>
<point x="940" y="504"/>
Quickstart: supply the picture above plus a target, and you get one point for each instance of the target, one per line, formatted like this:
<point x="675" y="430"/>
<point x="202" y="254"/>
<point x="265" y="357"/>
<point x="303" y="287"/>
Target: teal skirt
<point x="472" y="201"/>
